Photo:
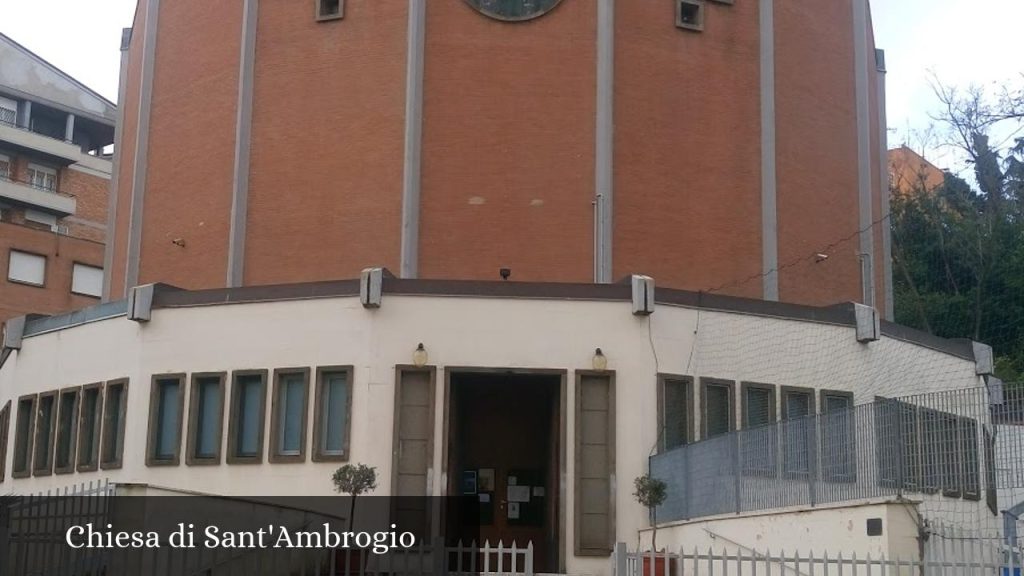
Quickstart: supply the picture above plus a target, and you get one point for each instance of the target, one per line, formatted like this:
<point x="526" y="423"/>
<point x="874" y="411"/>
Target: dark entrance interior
<point x="503" y="446"/>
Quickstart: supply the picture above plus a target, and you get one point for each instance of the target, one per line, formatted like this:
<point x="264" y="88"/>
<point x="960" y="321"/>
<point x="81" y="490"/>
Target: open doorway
<point x="505" y="431"/>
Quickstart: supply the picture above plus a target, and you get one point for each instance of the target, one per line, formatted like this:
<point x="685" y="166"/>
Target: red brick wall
<point x="508" y="144"/>
<point x="817" y="152"/>
<point x="191" y="144"/>
<point x="61" y="253"/>
<point x="126" y="167"/>
<point x="687" y="147"/>
<point x="325" y="192"/>
<point x="91" y="193"/>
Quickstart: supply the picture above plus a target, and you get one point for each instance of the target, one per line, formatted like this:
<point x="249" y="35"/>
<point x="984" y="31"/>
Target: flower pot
<point x="659" y="565"/>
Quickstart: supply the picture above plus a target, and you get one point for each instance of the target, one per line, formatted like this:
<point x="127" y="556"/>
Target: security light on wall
<point x="419" y="356"/>
<point x="600" y="361"/>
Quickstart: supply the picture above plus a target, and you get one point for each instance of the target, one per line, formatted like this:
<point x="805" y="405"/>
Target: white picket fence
<point x="739" y="563"/>
<point x="488" y="559"/>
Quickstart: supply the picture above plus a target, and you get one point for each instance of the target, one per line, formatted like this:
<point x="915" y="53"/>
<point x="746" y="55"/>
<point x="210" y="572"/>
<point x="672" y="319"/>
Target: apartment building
<point x="55" y="165"/>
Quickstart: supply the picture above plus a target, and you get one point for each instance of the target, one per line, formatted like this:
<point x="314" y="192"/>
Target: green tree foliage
<point x="958" y="250"/>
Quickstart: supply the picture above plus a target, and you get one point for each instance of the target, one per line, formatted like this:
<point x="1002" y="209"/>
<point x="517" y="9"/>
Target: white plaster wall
<point x="456" y="331"/>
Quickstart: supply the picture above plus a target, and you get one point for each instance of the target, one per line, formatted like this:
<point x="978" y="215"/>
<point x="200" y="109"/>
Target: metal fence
<point x="973" y="560"/>
<point x="33" y="541"/>
<point x="962" y="444"/>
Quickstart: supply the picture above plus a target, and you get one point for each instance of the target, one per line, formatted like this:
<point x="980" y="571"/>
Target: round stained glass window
<point x="513" y="9"/>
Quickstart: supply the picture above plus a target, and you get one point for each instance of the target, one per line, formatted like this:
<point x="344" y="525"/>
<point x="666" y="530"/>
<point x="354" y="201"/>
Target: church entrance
<point x="504" y="448"/>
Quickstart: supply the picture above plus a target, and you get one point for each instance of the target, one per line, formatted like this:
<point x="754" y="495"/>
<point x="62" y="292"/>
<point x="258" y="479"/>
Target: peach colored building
<point x="910" y="172"/>
<point x="54" y="179"/>
<point x="717" y="145"/>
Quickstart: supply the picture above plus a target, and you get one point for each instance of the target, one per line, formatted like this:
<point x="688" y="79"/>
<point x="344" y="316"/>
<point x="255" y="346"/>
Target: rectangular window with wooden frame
<point x="89" y="422"/>
<point x="5" y="422"/>
<point x="595" y="462"/>
<point x="288" y="408"/>
<point x="67" y="431"/>
<point x="166" y="404"/>
<point x="675" y="411"/>
<point x="248" y="413"/>
<point x="205" y="419"/>
<point x="24" y="428"/>
<point x="798" y="443"/>
<point x="717" y="407"/>
<point x="46" y="426"/>
<point x="759" y="440"/>
<point x="332" y="414"/>
<point x="838" y="436"/>
<point x="115" y="405"/>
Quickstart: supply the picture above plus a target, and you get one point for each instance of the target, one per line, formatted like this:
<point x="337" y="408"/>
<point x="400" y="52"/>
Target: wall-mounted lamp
<point x="600" y="361"/>
<point x="419" y="356"/>
<point x="180" y="242"/>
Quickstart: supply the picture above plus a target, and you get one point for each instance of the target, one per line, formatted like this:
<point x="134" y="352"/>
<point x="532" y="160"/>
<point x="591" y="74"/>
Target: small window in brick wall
<point x="329" y="9"/>
<point x="690" y="15"/>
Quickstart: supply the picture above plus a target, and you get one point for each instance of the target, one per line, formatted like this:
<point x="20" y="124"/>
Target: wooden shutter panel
<point x="595" y="463"/>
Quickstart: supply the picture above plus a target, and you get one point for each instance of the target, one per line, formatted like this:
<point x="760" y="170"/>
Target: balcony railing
<point x="34" y="195"/>
<point x="8" y="116"/>
<point x="942" y="443"/>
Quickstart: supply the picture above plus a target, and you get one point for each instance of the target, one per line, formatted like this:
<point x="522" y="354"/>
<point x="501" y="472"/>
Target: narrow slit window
<point x="89" y="421"/>
<point x="248" y="396"/>
<point x="329" y="9"/>
<point x="46" y="421"/>
<point x="23" y="437"/>
<point x="112" y="443"/>
<point x="165" y="407"/>
<point x="838" y="440"/>
<point x="206" y="418"/>
<point x="331" y="421"/>
<point x="289" y="415"/>
<point x="758" y="439"/>
<point x="67" y="432"/>
<point x="690" y="14"/>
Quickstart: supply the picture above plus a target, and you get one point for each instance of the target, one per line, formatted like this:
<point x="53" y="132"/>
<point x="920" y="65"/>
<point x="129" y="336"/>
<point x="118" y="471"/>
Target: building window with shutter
<point x="5" y="167"/>
<point x="23" y="437"/>
<point x="759" y="439"/>
<point x="717" y="407"/>
<point x="675" y="411"/>
<point x="205" y="419"/>
<point x="26" y="268"/>
<point x="245" y="426"/>
<point x="46" y="425"/>
<point x="115" y="404"/>
<point x="332" y="413"/>
<point x="797" y="429"/>
<point x="90" y="418"/>
<point x="67" y="431"/>
<point x="86" y="280"/>
<point x="288" y="415"/>
<point x="166" y="403"/>
<point x="838" y="436"/>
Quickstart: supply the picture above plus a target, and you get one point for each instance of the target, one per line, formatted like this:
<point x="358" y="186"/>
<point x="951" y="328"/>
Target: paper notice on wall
<point x="513" y="510"/>
<point x="518" y="493"/>
<point x="485" y="498"/>
<point x="538" y="491"/>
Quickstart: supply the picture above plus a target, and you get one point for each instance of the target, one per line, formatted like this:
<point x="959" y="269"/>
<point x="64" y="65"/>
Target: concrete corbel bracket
<point x="140" y="303"/>
<point x="643" y="295"/>
<point x="371" y="281"/>
<point x="984" y="362"/>
<point x="869" y="324"/>
<point x="14" y="330"/>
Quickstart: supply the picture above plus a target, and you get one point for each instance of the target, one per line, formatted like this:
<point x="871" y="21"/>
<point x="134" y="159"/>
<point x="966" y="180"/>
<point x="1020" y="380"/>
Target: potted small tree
<point x="651" y="492"/>
<point x="354" y="480"/>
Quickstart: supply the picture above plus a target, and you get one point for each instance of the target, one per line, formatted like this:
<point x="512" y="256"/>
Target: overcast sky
<point x="919" y="37"/>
